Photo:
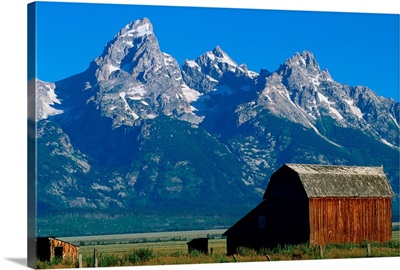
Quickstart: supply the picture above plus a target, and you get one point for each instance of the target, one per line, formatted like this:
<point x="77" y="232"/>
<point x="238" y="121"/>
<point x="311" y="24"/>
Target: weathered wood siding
<point x="346" y="219"/>
<point x="69" y="250"/>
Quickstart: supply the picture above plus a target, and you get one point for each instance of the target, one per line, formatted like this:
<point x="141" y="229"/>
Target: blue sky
<point x="356" y="48"/>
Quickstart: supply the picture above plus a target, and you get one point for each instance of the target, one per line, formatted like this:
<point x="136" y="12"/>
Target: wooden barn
<point x="318" y="204"/>
<point x="49" y="248"/>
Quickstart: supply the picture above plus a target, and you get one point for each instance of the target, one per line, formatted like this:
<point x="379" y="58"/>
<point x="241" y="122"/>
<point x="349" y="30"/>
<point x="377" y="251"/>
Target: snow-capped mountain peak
<point x="220" y="56"/>
<point x="304" y="60"/>
<point x="124" y="51"/>
<point x="137" y="28"/>
<point x="303" y="68"/>
<point x="214" y="63"/>
<point x="208" y="69"/>
<point x="303" y="93"/>
<point x="138" y="81"/>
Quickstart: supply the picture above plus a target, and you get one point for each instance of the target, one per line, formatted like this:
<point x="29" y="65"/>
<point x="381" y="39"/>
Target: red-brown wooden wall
<point x="350" y="219"/>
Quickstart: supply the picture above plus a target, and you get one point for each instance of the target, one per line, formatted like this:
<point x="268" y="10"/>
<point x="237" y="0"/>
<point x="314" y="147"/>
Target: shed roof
<point x="344" y="181"/>
<point x="54" y="238"/>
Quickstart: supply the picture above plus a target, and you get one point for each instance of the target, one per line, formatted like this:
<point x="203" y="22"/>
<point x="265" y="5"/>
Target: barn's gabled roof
<point x="344" y="181"/>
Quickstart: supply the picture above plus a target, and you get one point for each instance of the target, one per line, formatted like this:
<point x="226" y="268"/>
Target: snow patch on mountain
<point x="394" y="120"/>
<point x="138" y="28"/>
<point x="220" y="56"/>
<point x="46" y="98"/>
<point x="97" y="186"/>
<point x="112" y="68"/>
<point x="127" y="107"/>
<point x="354" y="109"/>
<point x="137" y="91"/>
<point x="330" y="104"/>
<point x="223" y="90"/>
<point x="388" y="143"/>
<point x="315" y="81"/>
<point x="190" y="94"/>
<point x="193" y="64"/>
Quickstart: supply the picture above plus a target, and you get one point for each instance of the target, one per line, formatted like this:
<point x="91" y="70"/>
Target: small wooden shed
<point x="49" y="248"/>
<point x="318" y="204"/>
<point x="199" y="244"/>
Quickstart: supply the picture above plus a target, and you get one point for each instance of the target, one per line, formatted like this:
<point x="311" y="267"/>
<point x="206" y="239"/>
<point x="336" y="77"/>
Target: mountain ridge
<point x="136" y="130"/>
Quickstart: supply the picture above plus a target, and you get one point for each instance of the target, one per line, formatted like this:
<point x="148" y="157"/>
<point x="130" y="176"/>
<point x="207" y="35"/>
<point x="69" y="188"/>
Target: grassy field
<point x="171" y="248"/>
<point x="141" y="237"/>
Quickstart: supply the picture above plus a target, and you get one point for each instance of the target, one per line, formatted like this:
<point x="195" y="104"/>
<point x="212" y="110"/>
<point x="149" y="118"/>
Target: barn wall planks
<point x="347" y="219"/>
<point x="68" y="250"/>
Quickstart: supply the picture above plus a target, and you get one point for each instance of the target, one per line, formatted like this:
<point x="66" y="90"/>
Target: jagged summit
<point x="124" y="52"/>
<point x="304" y="59"/>
<point x="208" y="69"/>
<point x="303" y="62"/>
<point x="221" y="56"/>
<point x="131" y="81"/>
<point x="303" y="93"/>
<point x="303" y="70"/>
<point x="216" y="62"/>
<point x="137" y="28"/>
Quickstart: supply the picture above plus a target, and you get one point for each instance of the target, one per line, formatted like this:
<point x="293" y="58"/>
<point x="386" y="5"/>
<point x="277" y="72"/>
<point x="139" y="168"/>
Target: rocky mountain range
<point x="137" y="131"/>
